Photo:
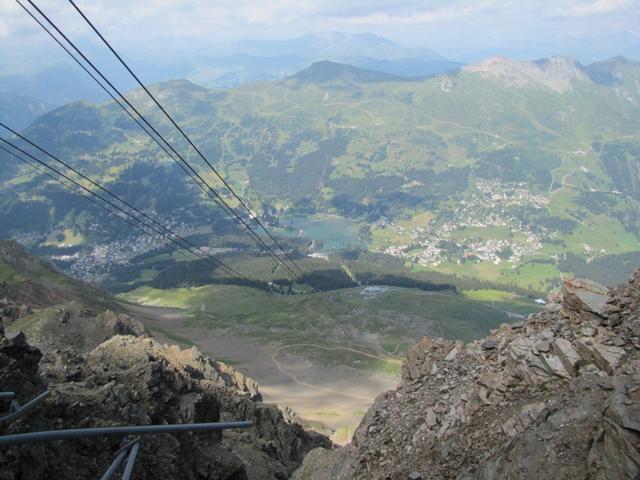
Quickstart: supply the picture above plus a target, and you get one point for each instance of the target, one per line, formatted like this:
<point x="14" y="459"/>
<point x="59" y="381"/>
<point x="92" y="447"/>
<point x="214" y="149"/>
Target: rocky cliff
<point x="103" y="369"/>
<point x="556" y="396"/>
<point x="133" y="380"/>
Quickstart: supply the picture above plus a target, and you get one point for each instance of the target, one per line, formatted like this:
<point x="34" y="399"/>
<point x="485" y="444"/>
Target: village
<point x="463" y="232"/>
<point x="92" y="264"/>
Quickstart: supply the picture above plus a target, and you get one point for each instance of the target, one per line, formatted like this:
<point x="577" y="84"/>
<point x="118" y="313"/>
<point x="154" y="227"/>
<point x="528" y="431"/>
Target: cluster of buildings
<point x="592" y="253"/>
<point x="492" y="204"/>
<point x="93" y="262"/>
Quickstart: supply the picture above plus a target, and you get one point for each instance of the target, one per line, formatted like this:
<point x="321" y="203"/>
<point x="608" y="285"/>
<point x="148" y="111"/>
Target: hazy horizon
<point x="165" y="32"/>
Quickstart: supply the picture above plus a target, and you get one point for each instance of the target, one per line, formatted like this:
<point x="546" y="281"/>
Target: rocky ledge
<point x="134" y="380"/>
<point x="556" y="396"/>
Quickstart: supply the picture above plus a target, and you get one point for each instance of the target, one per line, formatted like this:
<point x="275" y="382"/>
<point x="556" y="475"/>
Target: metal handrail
<point x="129" y="451"/>
<point x="121" y="431"/>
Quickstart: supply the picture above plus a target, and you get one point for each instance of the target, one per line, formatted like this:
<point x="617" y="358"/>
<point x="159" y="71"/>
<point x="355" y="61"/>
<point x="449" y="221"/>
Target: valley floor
<point x="326" y="357"/>
<point x="328" y="398"/>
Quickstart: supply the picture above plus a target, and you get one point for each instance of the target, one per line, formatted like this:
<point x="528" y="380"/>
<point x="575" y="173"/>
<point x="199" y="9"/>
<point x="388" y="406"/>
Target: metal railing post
<point x="131" y="461"/>
<point x="18" y="411"/>
<point x="115" y="464"/>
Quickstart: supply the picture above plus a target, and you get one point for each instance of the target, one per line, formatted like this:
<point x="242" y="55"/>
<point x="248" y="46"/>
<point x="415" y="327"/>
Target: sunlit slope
<point x="388" y="322"/>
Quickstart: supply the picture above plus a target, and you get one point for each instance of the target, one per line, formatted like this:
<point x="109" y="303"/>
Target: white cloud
<point x="159" y="25"/>
<point x="446" y="12"/>
<point x="586" y="9"/>
<point x="184" y="18"/>
<point x="425" y="16"/>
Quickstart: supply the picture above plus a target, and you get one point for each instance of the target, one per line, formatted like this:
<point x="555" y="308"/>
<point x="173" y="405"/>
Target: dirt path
<point x="331" y="349"/>
<point x="316" y="387"/>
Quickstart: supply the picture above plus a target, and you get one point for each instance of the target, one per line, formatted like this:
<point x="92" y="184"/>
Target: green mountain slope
<point x="494" y="171"/>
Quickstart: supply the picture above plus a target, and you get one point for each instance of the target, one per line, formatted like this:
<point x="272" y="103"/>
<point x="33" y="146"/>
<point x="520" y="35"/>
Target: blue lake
<point x="335" y="232"/>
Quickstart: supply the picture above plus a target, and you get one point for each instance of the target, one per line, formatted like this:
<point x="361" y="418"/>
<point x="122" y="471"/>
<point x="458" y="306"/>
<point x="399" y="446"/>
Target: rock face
<point x="557" y="396"/>
<point x="131" y="380"/>
<point x="102" y="369"/>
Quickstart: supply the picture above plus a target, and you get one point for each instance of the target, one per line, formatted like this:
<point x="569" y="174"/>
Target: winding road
<point x="323" y="389"/>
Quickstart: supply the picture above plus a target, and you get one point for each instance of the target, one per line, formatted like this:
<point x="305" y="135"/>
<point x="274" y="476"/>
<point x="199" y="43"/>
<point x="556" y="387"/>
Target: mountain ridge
<point x="556" y="73"/>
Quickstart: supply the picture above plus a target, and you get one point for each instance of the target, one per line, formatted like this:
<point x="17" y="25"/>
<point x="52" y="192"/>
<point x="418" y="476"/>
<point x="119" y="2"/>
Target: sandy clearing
<point x="334" y="397"/>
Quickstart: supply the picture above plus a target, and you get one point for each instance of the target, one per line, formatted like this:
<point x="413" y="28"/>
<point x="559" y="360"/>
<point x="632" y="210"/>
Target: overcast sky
<point x="466" y="30"/>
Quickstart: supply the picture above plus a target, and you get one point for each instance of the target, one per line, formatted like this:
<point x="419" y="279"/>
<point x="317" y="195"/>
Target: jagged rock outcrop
<point x="556" y="396"/>
<point x="73" y="325"/>
<point x="133" y="380"/>
<point x="102" y="369"/>
<point x="10" y="311"/>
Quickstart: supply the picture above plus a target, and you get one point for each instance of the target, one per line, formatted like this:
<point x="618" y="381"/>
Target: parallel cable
<point x="78" y="189"/>
<point x="209" y="190"/>
<point x="198" y="151"/>
<point x="79" y="192"/>
<point x="106" y="90"/>
<point x="165" y="232"/>
<point x="186" y="137"/>
<point x="206" y="187"/>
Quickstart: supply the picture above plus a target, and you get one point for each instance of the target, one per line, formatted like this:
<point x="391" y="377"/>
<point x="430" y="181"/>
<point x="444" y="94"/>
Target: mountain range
<point x="226" y="65"/>
<point x="529" y="161"/>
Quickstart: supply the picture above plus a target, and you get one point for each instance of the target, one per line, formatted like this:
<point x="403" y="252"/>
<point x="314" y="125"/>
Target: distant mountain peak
<point x="556" y="73"/>
<point x="618" y="59"/>
<point x="610" y="72"/>
<point x="326" y="71"/>
<point x="336" y="46"/>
